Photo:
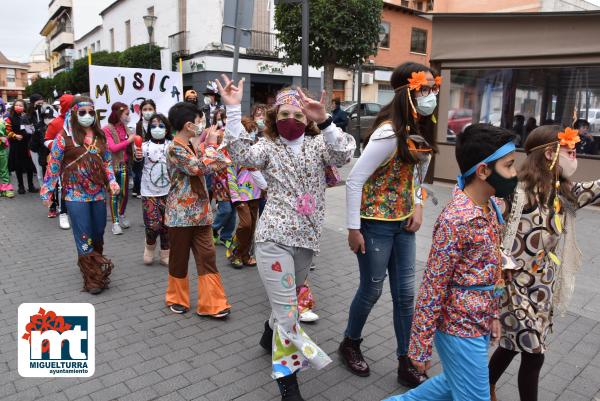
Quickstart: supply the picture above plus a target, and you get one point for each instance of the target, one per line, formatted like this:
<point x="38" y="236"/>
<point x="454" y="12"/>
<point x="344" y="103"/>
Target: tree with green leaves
<point x="77" y="79"/>
<point x="341" y="33"/>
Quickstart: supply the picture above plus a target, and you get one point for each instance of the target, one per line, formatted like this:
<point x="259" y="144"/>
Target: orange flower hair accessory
<point x="417" y="80"/>
<point x="438" y="80"/>
<point x="569" y="137"/>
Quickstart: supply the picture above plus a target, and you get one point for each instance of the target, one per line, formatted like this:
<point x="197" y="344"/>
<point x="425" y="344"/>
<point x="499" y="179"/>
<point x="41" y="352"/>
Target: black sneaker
<point x="179" y="309"/>
<point x="219" y="315"/>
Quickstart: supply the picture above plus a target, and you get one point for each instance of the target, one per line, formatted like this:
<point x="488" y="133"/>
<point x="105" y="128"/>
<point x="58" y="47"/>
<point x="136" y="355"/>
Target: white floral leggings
<point x="281" y="268"/>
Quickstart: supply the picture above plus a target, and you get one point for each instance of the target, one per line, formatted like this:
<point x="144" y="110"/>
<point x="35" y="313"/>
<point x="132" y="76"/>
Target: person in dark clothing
<point x="19" y="130"/>
<point x="587" y="144"/>
<point x="340" y="117"/>
<point x="37" y="116"/>
<point x="530" y="125"/>
<point x="519" y="129"/>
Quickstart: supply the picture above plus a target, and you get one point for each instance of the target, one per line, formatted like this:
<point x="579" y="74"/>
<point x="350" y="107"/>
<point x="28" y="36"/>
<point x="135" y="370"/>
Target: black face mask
<point x="504" y="186"/>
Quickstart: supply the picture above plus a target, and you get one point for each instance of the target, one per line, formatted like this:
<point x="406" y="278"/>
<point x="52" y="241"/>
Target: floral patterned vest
<point x="388" y="194"/>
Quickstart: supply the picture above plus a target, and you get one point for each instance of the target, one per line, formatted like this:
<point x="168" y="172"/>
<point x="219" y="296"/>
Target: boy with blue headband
<point x="458" y="302"/>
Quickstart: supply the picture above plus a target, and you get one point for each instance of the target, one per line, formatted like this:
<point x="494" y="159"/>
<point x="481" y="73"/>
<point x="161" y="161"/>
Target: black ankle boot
<point x="408" y="376"/>
<point x="288" y="387"/>
<point x="266" y="341"/>
<point x="352" y="357"/>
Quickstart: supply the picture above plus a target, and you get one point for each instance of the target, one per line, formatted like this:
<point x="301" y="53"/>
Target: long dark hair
<point x="165" y="121"/>
<point x="145" y="102"/>
<point x="12" y="112"/>
<point x="77" y="130"/>
<point x="399" y="112"/>
<point x="535" y="173"/>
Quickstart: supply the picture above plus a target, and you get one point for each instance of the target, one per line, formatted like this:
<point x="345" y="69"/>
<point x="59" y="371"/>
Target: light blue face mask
<point x="426" y="104"/>
<point x="86" y="120"/>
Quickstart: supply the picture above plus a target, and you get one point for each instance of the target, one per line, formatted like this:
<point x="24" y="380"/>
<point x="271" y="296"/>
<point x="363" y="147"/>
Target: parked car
<point x="593" y="117"/>
<point x="458" y="119"/>
<point x="368" y="113"/>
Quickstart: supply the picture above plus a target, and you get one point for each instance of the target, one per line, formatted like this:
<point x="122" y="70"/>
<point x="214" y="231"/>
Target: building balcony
<point x="263" y="44"/>
<point x="61" y="40"/>
<point x="56" y="6"/>
<point x="178" y="44"/>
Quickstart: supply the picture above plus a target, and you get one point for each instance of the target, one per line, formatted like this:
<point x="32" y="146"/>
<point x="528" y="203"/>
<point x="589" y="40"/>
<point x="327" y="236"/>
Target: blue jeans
<point x="465" y="376"/>
<point x="88" y="220"/>
<point x="388" y="247"/>
<point x="225" y="220"/>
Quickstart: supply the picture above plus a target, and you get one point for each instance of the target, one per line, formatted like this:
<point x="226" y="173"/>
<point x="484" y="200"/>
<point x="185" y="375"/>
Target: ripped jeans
<point x="388" y="247"/>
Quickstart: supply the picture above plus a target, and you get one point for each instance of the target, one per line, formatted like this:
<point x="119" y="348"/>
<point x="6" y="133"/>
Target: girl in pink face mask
<point x="300" y="140"/>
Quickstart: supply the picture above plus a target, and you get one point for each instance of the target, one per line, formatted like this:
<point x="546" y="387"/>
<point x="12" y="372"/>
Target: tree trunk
<point x="328" y="69"/>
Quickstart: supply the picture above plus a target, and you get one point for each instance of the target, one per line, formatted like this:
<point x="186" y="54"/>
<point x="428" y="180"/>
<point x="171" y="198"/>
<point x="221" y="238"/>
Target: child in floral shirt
<point x="458" y="304"/>
<point x="189" y="218"/>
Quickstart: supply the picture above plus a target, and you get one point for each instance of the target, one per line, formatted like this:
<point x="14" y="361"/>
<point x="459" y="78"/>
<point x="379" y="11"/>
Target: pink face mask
<point x="290" y="128"/>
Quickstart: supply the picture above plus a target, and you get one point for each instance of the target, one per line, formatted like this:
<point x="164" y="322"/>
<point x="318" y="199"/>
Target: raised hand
<point x="230" y="94"/>
<point x="212" y="135"/>
<point x="313" y="110"/>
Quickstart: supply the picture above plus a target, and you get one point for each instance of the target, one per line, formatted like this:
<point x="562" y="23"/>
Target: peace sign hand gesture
<point x="313" y="110"/>
<point x="231" y="94"/>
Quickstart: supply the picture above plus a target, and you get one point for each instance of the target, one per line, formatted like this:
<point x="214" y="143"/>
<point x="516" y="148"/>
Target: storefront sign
<point x="271" y="68"/>
<point x="197" y="66"/>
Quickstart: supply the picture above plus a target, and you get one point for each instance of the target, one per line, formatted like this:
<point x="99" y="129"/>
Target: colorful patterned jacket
<point x="465" y="252"/>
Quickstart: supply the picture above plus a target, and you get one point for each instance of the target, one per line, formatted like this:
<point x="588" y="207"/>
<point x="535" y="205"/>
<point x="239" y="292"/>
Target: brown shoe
<point x="408" y="376"/>
<point x="352" y="357"/>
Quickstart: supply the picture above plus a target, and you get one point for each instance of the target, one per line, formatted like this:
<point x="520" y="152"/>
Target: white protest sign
<point x="132" y="86"/>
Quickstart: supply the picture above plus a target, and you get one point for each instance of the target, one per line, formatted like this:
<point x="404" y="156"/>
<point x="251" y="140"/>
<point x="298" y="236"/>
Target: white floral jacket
<point x="289" y="176"/>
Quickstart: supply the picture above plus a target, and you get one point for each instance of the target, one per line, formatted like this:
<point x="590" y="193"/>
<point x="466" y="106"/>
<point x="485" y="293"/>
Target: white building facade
<point x="192" y="29"/>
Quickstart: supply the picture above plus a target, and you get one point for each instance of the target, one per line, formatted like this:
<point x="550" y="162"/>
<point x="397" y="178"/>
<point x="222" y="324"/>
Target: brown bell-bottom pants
<point x="211" y="294"/>
<point x="247" y="218"/>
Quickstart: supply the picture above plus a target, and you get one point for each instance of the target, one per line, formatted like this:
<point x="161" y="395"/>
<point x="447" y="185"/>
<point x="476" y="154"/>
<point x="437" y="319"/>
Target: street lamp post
<point x="149" y="21"/>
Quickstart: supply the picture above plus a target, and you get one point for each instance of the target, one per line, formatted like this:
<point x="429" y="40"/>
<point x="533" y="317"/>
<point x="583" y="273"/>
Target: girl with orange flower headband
<point x="540" y="250"/>
<point x="384" y="207"/>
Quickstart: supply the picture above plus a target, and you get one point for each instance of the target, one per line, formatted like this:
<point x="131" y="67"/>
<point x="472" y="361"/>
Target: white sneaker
<point x="63" y="221"/>
<point x="123" y="221"/>
<point x="309" y="316"/>
<point x="116" y="229"/>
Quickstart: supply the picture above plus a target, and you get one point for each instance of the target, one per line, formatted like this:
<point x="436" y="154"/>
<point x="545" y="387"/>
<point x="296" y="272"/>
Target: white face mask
<point x="567" y="165"/>
<point x="426" y="104"/>
<point x="199" y="128"/>
<point x="220" y="124"/>
<point x="86" y="120"/>
<point x="207" y="100"/>
<point x="147" y="115"/>
<point x="125" y="119"/>
<point x="158" y="133"/>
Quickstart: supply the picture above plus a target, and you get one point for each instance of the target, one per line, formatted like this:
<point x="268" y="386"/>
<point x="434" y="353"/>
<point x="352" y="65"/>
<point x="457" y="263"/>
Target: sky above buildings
<point x="22" y="22"/>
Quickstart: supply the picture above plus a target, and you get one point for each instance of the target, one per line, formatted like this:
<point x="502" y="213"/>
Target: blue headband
<point x="498" y="154"/>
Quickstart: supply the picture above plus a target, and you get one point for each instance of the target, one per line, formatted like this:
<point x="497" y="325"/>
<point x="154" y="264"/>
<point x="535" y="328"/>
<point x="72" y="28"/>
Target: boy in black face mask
<point x="458" y="303"/>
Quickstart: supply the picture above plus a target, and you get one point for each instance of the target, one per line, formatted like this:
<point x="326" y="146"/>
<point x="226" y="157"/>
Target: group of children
<point x="484" y="276"/>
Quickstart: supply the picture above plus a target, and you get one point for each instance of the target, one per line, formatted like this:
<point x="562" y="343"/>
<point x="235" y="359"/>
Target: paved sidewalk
<point x="144" y="352"/>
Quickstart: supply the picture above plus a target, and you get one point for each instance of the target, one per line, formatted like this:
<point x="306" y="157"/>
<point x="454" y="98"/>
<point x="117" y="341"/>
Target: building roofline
<point x="408" y="10"/>
<point x="90" y="32"/>
<point x="110" y="7"/>
<point x="591" y="13"/>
